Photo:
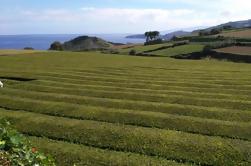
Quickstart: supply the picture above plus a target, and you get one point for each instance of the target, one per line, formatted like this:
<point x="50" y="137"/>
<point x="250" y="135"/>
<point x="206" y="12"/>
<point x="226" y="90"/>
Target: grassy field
<point x="185" y="49"/>
<point x="17" y="52"/>
<point x="236" y="50"/>
<point x="246" y="33"/>
<point x="171" y="51"/>
<point x="142" y="48"/>
<point x="99" y="109"/>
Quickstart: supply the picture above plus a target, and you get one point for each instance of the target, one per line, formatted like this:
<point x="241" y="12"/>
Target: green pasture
<point x="179" y="50"/>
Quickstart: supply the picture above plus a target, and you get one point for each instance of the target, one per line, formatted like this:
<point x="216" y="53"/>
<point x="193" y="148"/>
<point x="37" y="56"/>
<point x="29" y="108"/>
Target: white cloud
<point x="108" y="20"/>
<point x="193" y="13"/>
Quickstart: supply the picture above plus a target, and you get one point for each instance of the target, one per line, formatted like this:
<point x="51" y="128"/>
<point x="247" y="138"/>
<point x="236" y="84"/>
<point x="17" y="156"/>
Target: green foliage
<point x="151" y="35"/>
<point x="86" y="43"/>
<point x="96" y="109"/>
<point x="56" y="46"/>
<point x="143" y="48"/>
<point x="132" y="52"/>
<point x="201" y="38"/>
<point x="17" y="150"/>
<point x="136" y="139"/>
<point x="95" y="156"/>
<point x="221" y="44"/>
<point x="180" y="50"/>
<point x="180" y="43"/>
<point x="153" y="42"/>
<point x="28" y="48"/>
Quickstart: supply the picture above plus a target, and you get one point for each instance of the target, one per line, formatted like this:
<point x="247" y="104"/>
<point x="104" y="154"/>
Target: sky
<point x="115" y="16"/>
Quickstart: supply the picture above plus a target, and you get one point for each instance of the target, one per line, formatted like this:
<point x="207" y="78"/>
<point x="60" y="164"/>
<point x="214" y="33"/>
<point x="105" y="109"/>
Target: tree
<point x="151" y="35"/>
<point x="155" y="34"/>
<point x="28" y="48"/>
<point x="147" y="35"/>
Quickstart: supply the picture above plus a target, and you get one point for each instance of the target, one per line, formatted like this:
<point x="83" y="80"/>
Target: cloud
<point x="135" y="16"/>
<point x="107" y="20"/>
<point x="88" y="19"/>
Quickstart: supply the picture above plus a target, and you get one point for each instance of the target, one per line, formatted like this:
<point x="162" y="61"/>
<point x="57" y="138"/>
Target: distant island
<point x="82" y="43"/>
<point x="137" y="36"/>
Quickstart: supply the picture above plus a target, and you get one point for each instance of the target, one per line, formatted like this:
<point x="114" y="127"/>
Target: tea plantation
<point x="100" y="109"/>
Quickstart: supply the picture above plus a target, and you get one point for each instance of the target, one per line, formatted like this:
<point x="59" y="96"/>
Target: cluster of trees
<point x="28" y="48"/>
<point x="152" y="35"/>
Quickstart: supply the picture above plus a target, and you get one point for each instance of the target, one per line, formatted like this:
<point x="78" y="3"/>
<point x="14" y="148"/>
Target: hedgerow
<point x="172" y="145"/>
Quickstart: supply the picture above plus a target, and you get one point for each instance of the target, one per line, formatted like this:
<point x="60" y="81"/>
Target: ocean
<point x="43" y="42"/>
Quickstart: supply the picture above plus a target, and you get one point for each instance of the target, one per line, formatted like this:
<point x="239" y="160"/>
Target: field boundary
<point x="216" y="55"/>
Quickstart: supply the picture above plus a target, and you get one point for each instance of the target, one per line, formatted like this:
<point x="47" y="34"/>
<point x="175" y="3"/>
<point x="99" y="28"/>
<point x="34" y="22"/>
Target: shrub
<point x="16" y="150"/>
<point x="57" y="46"/>
<point x="132" y="52"/>
<point x="221" y="44"/>
<point x="207" y="49"/>
<point x="28" y="48"/>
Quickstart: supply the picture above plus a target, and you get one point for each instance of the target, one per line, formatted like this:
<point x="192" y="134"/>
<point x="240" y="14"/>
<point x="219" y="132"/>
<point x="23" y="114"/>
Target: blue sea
<point x="43" y="42"/>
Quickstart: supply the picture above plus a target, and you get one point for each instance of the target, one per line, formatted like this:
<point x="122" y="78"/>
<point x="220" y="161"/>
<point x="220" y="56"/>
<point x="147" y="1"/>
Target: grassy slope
<point x="246" y="33"/>
<point x="19" y="52"/>
<point x="236" y="50"/>
<point x="115" y="102"/>
<point x="186" y="49"/>
<point x="142" y="48"/>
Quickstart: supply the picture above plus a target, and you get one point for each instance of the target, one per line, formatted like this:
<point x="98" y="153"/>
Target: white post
<point x="1" y="84"/>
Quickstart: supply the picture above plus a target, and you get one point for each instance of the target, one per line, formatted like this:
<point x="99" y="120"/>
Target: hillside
<point x="86" y="43"/>
<point x="238" y="33"/>
<point x="165" y="49"/>
<point x="235" y="25"/>
<point x="176" y="33"/>
<point x="137" y="36"/>
<point x="236" y="50"/>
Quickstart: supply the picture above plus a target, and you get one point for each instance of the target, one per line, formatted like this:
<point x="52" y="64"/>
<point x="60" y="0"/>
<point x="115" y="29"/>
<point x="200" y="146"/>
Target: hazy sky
<point x="115" y="16"/>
